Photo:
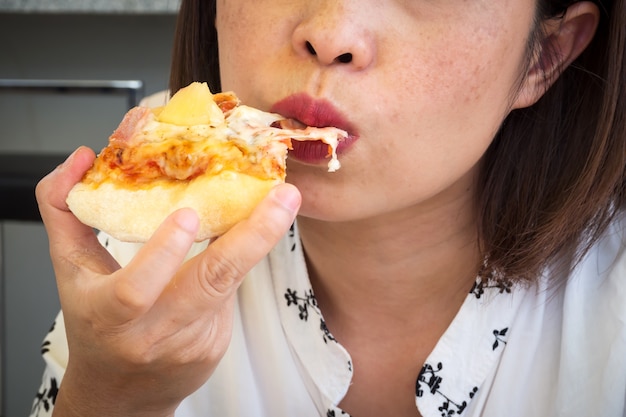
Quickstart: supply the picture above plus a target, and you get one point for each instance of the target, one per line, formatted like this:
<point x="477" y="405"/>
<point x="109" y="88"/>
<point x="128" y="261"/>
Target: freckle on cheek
<point x="478" y="84"/>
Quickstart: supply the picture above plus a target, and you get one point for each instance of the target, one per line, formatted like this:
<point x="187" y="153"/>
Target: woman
<point x="468" y="258"/>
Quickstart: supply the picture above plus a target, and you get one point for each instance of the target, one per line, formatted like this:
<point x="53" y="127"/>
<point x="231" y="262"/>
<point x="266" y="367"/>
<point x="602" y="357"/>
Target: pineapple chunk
<point x="192" y="105"/>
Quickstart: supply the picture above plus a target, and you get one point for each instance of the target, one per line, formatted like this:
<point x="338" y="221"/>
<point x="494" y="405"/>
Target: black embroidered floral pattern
<point x="481" y="284"/>
<point x="292" y="234"/>
<point x="45" y="347"/>
<point x="332" y="413"/>
<point x="327" y="335"/>
<point x="305" y="304"/>
<point x="430" y="379"/>
<point x="46" y="343"/>
<point x="499" y="335"/>
<point x="46" y="397"/>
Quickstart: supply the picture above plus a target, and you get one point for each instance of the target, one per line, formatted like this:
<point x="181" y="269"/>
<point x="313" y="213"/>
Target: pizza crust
<point x="133" y="215"/>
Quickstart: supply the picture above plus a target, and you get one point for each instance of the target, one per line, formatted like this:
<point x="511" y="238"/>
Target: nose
<point x="334" y="35"/>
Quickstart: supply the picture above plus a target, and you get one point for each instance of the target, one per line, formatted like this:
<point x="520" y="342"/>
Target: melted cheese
<point x="148" y="150"/>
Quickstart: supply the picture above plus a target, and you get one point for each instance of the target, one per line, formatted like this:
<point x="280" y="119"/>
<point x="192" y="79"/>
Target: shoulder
<point x="566" y="347"/>
<point x="592" y="360"/>
<point x="594" y="297"/>
<point x="601" y="274"/>
<point x="157" y="99"/>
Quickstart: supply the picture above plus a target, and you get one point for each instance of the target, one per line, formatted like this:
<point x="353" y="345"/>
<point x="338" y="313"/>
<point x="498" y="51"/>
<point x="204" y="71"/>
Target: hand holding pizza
<point x="133" y="330"/>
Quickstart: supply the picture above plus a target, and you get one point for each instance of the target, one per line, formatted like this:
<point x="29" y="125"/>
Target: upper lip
<point x="312" y="112"/>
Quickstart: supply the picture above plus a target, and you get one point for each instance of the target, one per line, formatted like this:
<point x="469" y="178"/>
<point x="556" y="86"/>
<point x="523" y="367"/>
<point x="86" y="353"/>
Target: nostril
<point x="310" y="48"/>
<point x="345" y="58"/>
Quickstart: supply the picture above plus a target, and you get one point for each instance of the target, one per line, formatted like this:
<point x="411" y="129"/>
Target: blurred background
<point x="57" y="61"/>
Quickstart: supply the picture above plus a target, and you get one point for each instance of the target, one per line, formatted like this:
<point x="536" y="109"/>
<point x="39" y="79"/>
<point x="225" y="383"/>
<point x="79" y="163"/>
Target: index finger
<point x="66" y="233"/>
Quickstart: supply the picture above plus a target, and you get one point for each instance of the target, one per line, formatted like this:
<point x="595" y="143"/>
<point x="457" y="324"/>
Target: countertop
<point x="91" y="6"/>
<point x="19" y="174"/>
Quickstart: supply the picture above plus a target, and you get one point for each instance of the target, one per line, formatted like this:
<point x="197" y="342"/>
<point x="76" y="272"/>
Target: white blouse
<point x="510" y="351"/>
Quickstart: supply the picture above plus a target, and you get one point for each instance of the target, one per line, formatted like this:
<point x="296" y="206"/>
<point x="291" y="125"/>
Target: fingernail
<point x="187" y="220"/>
<point x="68" y="160"/>
<point x="288" y="196"/>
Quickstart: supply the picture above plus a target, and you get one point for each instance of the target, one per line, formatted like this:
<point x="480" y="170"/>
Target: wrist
<point x="91" y="396"/>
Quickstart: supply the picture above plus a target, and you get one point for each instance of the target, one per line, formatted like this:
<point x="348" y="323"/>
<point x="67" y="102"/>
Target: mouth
<point x="316" y="113"/>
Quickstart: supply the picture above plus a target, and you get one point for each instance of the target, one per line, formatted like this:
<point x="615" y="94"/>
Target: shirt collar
<point x="326" y="365"/>
<point x="468" y="351"/>
<point x="454" y="371"/>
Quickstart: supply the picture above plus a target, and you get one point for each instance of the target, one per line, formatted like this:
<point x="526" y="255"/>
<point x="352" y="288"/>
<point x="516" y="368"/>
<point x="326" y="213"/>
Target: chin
<point x="327" y="196"/>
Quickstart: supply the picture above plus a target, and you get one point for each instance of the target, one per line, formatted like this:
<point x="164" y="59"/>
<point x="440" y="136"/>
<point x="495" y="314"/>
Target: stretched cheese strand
<point x="251" y="123"/>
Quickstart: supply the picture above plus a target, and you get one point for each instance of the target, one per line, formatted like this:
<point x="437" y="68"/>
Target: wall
<point x="58" y="46"/>
<point x="92" y="6"/>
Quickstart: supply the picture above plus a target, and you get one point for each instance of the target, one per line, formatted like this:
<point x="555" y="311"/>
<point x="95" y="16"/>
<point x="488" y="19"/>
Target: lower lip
<point x="316" y="152"/>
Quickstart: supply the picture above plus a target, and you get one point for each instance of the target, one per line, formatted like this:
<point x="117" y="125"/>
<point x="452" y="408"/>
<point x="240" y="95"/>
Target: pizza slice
<point x="201" y="150"/>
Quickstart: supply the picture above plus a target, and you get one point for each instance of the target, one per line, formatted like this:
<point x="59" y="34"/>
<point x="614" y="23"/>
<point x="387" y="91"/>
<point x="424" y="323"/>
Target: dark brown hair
<point x="195" y="52"/>
<point x="554" y="176"/>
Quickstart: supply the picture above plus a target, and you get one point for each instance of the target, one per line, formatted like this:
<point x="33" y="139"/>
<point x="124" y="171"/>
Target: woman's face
<point x="422" y="86"/>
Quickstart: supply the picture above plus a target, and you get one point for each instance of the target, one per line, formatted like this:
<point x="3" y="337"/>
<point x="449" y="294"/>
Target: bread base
<point x="133" y="215"/>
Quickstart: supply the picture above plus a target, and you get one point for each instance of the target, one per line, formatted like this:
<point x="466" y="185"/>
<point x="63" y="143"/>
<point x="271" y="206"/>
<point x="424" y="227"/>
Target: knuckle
<point x="42" y="191"/>
<point x="143" y="352"/>
<point x="130" y="297"/>
<point x="140" y="355"/>
<point x="266" y="233"/>
<point x="223" y="275"/>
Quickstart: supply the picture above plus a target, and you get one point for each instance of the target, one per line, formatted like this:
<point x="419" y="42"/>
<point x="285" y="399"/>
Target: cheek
<point x="461" y="78"/>
<point x="457" y="96"/>
<point x="249" y="39"/>
<point x="442" y="114"/>
<point x="234" y="52"/>
<point x="464" y="61"/>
